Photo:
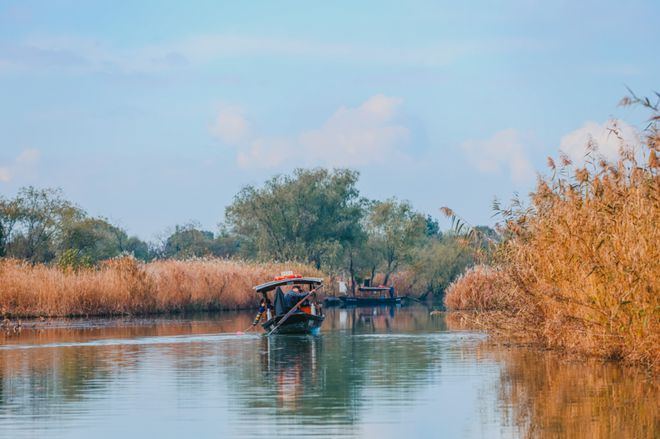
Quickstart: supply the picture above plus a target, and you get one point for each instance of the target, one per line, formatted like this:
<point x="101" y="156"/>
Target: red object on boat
<point x="290" y="276"/>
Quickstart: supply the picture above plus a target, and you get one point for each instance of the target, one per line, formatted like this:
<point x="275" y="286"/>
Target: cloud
<point x="230" y="125"/>
<point x="607" y="143"/>
<point x="21" y="164"/>
<point x="85" y="55"/>
<point x="28" y="156"/>
<point x="358" y="136"/>
<point x="367" y="134"/>
<point x="267" y="152"/>
<point x="503" y="150"/>
<point x="5" y="174"/>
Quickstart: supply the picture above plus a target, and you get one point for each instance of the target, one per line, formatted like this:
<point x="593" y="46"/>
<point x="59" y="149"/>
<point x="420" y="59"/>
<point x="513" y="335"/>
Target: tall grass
<point x="581" y="264"/>
<point x="127" y="286"/>
<point x="480" y="288"/>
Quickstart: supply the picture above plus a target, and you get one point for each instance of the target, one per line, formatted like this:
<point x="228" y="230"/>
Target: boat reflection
<point x="291" y="363"/>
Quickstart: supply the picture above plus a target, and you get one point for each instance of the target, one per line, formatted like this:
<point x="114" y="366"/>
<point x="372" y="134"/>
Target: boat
<point x="370" y="296"/>
<point x="331" y="301"/>
<point x="307" y="319"/>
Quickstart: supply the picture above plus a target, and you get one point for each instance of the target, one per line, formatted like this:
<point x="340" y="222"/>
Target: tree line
<point x="316" y="216"/>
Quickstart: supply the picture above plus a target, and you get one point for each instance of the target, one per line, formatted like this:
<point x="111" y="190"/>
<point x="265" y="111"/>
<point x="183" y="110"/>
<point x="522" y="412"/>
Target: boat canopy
<point x="313" y="281"/>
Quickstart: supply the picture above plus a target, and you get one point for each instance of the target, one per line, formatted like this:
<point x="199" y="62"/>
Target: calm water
<point x="372" y="373"/>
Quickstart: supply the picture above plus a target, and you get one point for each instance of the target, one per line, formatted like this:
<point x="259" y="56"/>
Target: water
<point x="372" y="373"/>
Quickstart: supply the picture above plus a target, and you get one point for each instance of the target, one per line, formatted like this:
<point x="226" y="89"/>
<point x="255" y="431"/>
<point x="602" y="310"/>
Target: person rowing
<point x="293" y="296"/>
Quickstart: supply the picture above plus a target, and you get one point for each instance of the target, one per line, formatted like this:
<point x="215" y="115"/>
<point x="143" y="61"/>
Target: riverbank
<point x="578" y="269"/>
<point x="126" y="286"/>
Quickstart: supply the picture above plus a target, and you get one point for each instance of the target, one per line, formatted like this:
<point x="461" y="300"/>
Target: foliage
<point x="190" y="241"/>
<point x="315" y="216"/>
<point x="395" y="229"/>
<point x="73" y="259"/>
<point x="583" y="259"/>
<point x="309" y="216"/>
<point x="435" y="265"/>
<point x="32" y="222"/>
<point x="40" y="225"/>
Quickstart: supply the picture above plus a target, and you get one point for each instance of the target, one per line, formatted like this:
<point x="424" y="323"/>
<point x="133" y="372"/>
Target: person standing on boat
<point x="293" y="296"/>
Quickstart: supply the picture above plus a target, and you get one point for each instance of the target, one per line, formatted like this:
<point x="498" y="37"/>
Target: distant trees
<point x="190" y="241"/>
<point x="315" y="216"/>
<point x="40" y="225"/>
<point x="394" y="230"/>
<point x="318" y="216"/>
<point x="311" y="216"/>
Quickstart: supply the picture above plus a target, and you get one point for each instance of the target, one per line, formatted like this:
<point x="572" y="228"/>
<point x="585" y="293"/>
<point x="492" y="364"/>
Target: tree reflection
<point x="315" y="379"/>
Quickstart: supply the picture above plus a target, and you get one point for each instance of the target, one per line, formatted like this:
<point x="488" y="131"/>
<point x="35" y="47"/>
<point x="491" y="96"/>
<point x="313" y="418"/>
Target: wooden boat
<point x="306" y="320"/>
<point x="372" y="296"/>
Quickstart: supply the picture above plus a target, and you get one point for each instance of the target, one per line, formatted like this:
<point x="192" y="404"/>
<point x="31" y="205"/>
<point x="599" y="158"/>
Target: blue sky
<point x="155" y="113"/>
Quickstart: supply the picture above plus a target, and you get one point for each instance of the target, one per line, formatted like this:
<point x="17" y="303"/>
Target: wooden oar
<point x="292" y="310"/>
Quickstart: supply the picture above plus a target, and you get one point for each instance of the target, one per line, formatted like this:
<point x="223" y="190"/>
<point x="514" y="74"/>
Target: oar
<point x="292" y="310"/>
<point x="246" y="330"/>
<point x="254" y="324"/>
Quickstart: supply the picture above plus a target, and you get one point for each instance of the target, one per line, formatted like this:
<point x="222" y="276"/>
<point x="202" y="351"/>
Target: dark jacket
<point x="291" y="298"/>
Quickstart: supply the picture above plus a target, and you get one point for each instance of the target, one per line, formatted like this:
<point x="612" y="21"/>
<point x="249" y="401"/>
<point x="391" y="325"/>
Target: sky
<point x="156" y="113"/>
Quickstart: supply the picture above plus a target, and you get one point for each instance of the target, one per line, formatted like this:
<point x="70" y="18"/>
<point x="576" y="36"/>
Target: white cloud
<point x="575" y="143"/>
<point x="22" y="163"/>
<point x="5" y="174"/>
<point x="266" y="152"/>
<point x="76" y="54"/>
<point x="28" y="156"/>
<point x="504" y="150"/>
<point x="367" y="134"/>
<point x="230" y="125"/>
<point x="358" y="136"/>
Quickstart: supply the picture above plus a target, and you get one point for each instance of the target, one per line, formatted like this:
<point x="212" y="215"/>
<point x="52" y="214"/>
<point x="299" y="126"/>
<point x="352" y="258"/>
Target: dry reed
<point x="127" y="286"/>
<point x="581" y="266"/>
<point x="480" y="288"/>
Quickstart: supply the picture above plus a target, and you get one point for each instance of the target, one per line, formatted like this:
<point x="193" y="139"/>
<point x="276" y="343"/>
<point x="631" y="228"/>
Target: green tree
<point x="190" y="241"/>
<point x="395" y="230"/>
<point x="436" y="264"/>
<point x="94" y="238"/>
<point x="306" y="216"/>
<point x="138" y="248"/>
<point x="41" y="214"/>
<point x="10" y="215"/>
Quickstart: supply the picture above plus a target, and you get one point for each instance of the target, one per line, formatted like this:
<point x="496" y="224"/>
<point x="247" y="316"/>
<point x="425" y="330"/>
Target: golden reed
<point x="127" y="286"/>
<point x="580" y="269"/>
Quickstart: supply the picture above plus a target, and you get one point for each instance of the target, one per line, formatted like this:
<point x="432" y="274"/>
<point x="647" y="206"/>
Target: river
<point x="372" y="373"/>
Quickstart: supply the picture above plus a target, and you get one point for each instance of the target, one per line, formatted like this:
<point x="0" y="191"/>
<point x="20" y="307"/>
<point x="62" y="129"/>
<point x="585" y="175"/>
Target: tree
<point x="436" y="264"/>
<point x="10" y="214"/>
<point x="395" y="230"/>
<point x="306" y="216"/>
<point x="95" y="239"/>
<point x="40" y="215"/>
<point x="190" y="241"/>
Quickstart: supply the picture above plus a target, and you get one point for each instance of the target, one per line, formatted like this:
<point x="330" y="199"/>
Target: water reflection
<point x="553" y="397"/>
<point x="374" y="372"/>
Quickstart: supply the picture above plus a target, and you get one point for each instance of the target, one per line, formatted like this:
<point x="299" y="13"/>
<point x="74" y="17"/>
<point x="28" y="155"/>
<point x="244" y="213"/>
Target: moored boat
<point x="370" y="296"/>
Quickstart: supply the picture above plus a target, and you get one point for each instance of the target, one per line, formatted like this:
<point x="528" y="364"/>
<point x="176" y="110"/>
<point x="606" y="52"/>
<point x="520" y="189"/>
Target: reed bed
<point x="127" y="286"/>
<point x="480" y="288"/>
<point x="579" y="269"/>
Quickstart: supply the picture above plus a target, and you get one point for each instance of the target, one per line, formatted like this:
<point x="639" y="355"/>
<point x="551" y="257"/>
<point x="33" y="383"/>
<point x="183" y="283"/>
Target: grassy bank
<point x="127" y="286"/>
<point x="579" y="270"/>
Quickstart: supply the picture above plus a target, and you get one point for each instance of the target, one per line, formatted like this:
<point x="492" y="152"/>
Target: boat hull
<point x="297" y="323"/>
<point x="369" y="301"/>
